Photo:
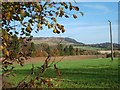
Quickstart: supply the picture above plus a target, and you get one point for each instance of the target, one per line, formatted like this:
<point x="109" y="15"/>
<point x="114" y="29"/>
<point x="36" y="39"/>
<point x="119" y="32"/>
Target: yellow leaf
<point x="22" y="13"/>
<point x="36" y="10"/>
<point x="7" y="53"/>
<point x="49" y="26"/>
<point x="10" y="8"/>
<point x="55" y="30"/>
<point x="6" y="37"/>
<point x="5" y="44"/>
<point x="50" y="5"/>
<point x="39" y="25"/>
<point x="1" y="47"/>
<point x="28" y="28"/>
<point x="8" y="15"/>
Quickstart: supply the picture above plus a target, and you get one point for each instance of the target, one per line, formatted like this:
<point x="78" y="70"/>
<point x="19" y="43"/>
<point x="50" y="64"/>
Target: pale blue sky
<point x="92" y="27"/>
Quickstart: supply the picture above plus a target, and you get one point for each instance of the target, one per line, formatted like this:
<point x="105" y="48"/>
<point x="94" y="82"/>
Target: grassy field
<point x="91" y="73"/>
<point x="88" y="48"/>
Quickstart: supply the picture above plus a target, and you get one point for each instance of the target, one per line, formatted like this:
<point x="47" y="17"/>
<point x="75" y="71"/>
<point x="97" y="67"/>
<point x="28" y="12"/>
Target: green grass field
<point x="88" y="48"/>
<point x="92" y="73"/>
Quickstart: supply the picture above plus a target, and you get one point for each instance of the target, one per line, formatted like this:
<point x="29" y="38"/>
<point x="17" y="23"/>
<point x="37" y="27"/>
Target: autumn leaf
<point x="75" y="16"/>
<point x="39" y="26"/>
<point x="54" y="19"/>
<point x="57" y="13"/>
<point x="61" y="13"/>
<point x="1" y="47"/>
<point x="59" y="26"/>
<point x="76" y="8"/>
<point x="8" y="16"/>
<point x="5" y="44"/>
<point x="6" y="52"/>
<point x="28" y="29"/>
<point x="55" y="30"/>
<point x="70" y="7"/>
<point x="49" y="26"/>
<point x="50" y="5"/>
<point x="22" y="13"/>
<point x="58" y="32"/>
<point x="36" y="10"/>
<point x="63" y="30"/>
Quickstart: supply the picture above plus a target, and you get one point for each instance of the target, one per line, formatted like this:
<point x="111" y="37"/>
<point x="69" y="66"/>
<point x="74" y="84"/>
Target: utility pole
<point x="111" y="40"/>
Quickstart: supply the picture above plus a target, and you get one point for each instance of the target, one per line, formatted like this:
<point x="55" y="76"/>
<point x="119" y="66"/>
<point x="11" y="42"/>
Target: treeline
<point x="40" y="50"/>
<point x="106" y="46"/>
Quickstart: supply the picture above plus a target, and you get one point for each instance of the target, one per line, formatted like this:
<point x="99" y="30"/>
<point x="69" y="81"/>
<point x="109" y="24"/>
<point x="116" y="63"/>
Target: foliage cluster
<point x="19" y="20"/>
<point x="27" y="16"/>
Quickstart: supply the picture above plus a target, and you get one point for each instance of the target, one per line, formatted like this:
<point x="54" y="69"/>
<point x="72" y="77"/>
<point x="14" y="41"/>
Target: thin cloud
<point x="98" y="7"/>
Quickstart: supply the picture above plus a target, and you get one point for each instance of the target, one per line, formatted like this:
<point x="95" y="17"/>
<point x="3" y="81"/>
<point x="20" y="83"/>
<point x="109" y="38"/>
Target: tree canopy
<point x="27" y="16"/>
<point x="19" y="20"/>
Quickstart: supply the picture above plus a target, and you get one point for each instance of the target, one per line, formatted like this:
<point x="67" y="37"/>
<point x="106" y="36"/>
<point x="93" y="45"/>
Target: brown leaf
<point x="57" y="13"/>
<point x="75" y="16"/>
<point x="63" y="30"/>
<point x="70" y="7"/>
<point x="50" y="5"/>
<point x="65" y="5"/>
<point x="49" y="26"/>
<point x="76" y="8"/>
<point x="59" y="26"/>
<point x="54" y="19"/>
<point x="61" y="13"/>
<point x="58" y="32"/>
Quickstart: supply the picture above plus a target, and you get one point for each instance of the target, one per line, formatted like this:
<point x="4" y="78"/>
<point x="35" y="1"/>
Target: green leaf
<point x="27" y="34"/>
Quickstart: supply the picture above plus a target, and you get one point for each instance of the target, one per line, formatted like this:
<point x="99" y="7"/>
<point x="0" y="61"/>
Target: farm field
<point x="77" y="73"/>
<point x="88" y="48"/>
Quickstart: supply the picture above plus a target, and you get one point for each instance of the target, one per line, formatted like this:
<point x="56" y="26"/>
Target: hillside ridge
<point x="71" y="41"/>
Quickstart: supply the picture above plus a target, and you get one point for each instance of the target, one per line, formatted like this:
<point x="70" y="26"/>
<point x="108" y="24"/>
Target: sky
<point x="93" y="27"/>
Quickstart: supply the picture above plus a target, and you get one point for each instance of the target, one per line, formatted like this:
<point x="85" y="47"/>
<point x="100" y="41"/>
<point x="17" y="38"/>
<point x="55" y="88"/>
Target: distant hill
<point x="56" y="40"/>
<point x="70" y="41"/>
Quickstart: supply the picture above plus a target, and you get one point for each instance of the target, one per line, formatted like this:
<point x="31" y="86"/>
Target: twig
<point x="20" y="83"/>
<point x="59" y="60"/>
<point x="52" y="62"/>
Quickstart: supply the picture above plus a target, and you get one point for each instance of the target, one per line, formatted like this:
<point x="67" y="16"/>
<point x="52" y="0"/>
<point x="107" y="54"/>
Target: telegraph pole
<point x="111" y="40"/>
